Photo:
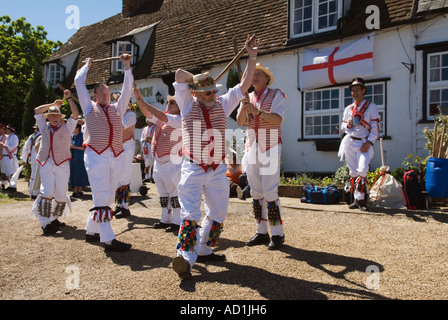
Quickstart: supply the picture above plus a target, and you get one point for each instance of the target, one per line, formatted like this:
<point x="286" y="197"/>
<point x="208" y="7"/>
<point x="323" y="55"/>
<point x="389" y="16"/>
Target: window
<point x="313" y="16"/>
<point x="323" y="109"/>
<point x="437" y="84"/>
<point x="54" y="74"/>
<point x="117" y="50"/>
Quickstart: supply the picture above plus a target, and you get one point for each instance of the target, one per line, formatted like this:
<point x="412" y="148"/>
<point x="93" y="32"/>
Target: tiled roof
<point x="198" y="33"/>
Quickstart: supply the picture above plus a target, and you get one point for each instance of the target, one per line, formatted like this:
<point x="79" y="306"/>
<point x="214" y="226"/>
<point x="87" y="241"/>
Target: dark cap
<point x="358" y="82"/>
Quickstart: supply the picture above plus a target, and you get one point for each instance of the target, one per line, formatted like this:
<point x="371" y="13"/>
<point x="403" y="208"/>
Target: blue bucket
<point x="437" y="178"/>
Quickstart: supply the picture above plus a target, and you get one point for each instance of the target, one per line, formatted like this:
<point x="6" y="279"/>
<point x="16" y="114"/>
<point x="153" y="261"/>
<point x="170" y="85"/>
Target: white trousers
<point x="54" y="185"/>
<point x="104" y="172"/>
<point x="358" y="162"/>
<point x="125" y="161"/>
<point x="34" y="165"/>
<point x="149" y="161"/>
<point x="214" y="185"/>
<point x="54" y="180"/>
<point x="9" y="167"/>
<point x="167" y="176"/>
<point x="263" y="175"/>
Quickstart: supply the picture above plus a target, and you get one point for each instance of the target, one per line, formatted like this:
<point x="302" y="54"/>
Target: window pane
<point x="434" y="62"/>
<point x="335" y="119"/>
<point x="444" y="74"/>
<point x="444" y="95"/>
<point x="307" y="26"/>
<point x="445" y="60"/>
<point x="378" y="100"/>
<point x="335" y="94"/>
<point x="434" y="75"/>
<point x="322" y="22"/>
<point x="335" y="104"/>
<point x="434" y="95"/>
<point x="323" y="9"/>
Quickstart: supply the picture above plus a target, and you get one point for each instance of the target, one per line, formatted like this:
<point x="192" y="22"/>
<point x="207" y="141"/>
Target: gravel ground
<point x="330" y="253"/>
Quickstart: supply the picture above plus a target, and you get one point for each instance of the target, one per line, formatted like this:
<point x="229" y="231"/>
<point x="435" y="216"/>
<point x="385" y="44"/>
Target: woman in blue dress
<point x="78" y="173"/>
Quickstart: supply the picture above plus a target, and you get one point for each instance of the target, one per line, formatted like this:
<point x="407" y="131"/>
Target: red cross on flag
<point x="324" y="67"/>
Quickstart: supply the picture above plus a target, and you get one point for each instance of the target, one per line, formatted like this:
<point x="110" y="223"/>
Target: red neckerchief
<point x="258" y="94"/>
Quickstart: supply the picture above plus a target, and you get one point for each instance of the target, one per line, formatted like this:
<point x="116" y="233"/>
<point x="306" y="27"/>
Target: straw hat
<point x="203" y="83"/>
<point x="54" y="110"/>
<point x="267" y="72"/>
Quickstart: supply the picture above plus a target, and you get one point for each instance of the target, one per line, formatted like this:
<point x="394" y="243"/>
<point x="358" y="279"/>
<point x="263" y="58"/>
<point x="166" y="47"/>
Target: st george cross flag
<point x="324" y="67"/>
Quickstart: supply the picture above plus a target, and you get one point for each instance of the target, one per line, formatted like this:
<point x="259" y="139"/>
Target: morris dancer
<point x="29" y="153"/>
<point x="261" y="161"/>
<point x="203" y="170"/>
<point x="54" y="158"/>
<point x="10" y="163"/>
<point x="123" y="193"/>
<point x="148" y="159"/>
<point x="360" y="123"/>
<point x="104" y="143"/>
<point x="166" y="147"/>
<point x="3" y="138"/>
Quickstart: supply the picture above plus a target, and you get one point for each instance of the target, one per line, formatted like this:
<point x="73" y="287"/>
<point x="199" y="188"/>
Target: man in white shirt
<point x="360" y="123"/>
<point x="104" y="143"/>
<point x="10" y="162"/>
<point x="204" y="120"/>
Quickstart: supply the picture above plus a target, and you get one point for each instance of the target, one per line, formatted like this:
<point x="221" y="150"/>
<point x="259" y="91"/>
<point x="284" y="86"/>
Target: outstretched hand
<point x="252" y="47"/>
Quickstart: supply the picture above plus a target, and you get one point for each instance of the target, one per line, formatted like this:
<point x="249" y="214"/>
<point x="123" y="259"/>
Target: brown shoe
<point x="181" y="267"/>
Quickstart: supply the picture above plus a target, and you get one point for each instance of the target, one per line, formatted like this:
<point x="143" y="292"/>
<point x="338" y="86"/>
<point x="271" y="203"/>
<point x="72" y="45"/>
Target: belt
<point x="356" y="138"/>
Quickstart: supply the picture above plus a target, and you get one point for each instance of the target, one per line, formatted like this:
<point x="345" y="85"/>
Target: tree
<point x="36" y="96"/>
<point x="21" y="48"/>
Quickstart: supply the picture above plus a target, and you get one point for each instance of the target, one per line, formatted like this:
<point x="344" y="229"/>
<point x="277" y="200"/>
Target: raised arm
<point x="73" y="107"/>
<point x="183" y="76"/>
<point x="126" y="91"/>
<point x="43" y="108"/>
<point x="148" y="110"/>
<point x="246" y="79"/>
<point x="81" y="89"/>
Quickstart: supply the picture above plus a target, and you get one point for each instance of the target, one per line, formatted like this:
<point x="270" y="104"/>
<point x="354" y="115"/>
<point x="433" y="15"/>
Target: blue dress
<point x="78" y="173"/>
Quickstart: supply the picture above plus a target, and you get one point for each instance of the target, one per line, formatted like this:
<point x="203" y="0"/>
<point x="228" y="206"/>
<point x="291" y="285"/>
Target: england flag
<point x="324" y="67"/>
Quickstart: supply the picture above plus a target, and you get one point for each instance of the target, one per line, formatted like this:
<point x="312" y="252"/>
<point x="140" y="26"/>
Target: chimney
<point x="135" y="7"/>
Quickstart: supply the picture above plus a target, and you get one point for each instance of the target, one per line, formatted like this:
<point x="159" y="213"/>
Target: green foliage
<point x="341" y="175"/>
<point x="300" y="179"/>
<point x="21" y="48"/>
<point x="35" y="97"/>
<point x="26" y="172"/>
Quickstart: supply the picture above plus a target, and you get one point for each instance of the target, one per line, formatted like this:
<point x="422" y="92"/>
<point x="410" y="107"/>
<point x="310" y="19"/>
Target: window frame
<point x="50" y="75"/>
<point x="426" y="50"/>
<point x="314" y="18"/>
<point x="117" y="51"/>
<point x="434" y="85"/>
<point x="382" y="109"/>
